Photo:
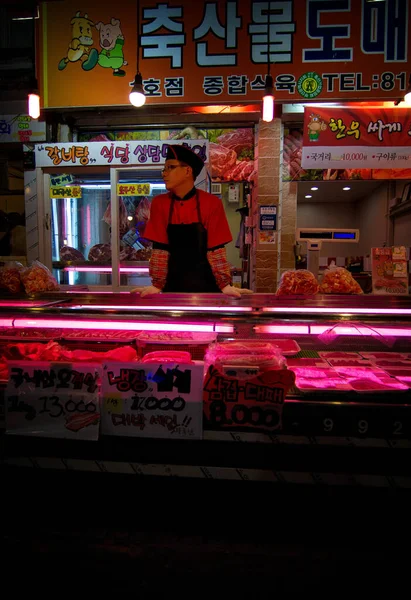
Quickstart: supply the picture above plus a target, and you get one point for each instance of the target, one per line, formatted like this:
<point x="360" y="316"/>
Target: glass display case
<point x="351" y="358"/>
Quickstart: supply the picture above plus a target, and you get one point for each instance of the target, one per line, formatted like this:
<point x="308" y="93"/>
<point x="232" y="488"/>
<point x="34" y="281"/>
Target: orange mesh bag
<point x="338" y="280"/>
<point x="300" y="282"/>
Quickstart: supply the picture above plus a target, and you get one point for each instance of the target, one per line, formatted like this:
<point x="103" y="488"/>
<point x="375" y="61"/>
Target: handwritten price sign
<point x="254" y="404"/>
<point x="53" y="400"/>
<point x="152" y="400"/>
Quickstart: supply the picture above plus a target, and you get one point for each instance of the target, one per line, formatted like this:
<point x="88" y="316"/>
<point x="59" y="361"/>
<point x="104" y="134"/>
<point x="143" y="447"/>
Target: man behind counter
<point x="189" y="231"/>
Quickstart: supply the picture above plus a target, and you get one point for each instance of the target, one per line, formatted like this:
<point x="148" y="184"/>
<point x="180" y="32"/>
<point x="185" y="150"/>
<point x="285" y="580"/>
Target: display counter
<point x="345" y="420"/>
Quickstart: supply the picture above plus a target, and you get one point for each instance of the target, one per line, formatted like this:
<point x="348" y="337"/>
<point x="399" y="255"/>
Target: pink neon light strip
<point x="106" y="269"/>
<point x="332" y="311"/>
<point x="317" y="329"/>
<point x="123" y="325"/>
<point x="384" y="331"/>
<point x="6" y="322"/>
<point x="172" y="308"/>
<point x="289" y="329"/>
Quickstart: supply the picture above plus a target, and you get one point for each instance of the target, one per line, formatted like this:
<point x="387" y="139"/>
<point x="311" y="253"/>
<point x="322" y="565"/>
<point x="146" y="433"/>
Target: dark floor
<point x="165" y="538"/>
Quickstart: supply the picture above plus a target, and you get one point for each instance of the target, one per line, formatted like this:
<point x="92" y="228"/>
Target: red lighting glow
<point x="338" y="311"/>
<point x="170" y="308"/>
<point x="118" y="325"/>
<point x="106" y="269"/>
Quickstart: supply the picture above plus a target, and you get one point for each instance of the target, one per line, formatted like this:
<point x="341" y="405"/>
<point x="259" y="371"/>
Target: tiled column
<point x="268" y="261"/>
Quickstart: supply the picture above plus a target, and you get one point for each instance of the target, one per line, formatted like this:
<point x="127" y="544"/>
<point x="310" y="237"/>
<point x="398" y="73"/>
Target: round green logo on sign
<point x="309" y="85"/>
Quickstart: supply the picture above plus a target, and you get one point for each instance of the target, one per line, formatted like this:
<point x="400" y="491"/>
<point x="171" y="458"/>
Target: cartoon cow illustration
<point x="111" y="41"/>
<point x="315" y="126"/>
<point x="79" y="47"/>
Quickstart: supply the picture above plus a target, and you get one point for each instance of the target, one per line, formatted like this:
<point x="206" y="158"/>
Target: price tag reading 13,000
<point x="53" y="400"/>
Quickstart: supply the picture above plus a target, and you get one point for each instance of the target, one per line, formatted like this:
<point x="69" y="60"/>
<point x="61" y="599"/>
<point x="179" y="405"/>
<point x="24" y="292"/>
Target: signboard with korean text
<point x="243" y="398"/>
<point x="58" y="400"/>
<point x="21" y="128"/>
<point x="339" y="137"/>
<point x="67" y="191"/>
<point x="152" y="400"/>
<point x="217" y="52"/>
<point x="133" y="189"/>
<point x="389" y="270"/>
<point x="81" y="154"/>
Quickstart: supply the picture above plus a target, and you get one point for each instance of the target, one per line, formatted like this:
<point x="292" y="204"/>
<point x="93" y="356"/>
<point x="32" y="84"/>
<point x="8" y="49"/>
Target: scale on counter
<point x="315" y="238"/>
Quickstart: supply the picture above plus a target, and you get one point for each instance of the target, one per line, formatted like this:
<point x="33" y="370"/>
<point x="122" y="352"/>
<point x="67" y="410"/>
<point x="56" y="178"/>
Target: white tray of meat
<point x="312" y="385"/>
<point x="287" y="347"/>
<point x="176" y="337"/>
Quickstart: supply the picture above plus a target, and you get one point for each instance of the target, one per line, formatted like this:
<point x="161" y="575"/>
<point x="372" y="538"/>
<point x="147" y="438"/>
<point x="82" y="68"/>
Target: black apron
<point x="188" y="267"/>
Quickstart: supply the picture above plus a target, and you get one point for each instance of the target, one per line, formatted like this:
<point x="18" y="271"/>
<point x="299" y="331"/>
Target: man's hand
<point x="149" y="290"/>
<point x="229" y="290"/>
<point x="245" y="291"/>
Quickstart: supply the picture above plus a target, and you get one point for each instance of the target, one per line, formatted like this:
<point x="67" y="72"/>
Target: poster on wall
<point x="267" y="224"/>
<point x="357" y="138"/>
<point x="389" y="270"/>
<point x="321" y="51"/>
<point x="58" y="400"/>
<point x="153" y="400"/>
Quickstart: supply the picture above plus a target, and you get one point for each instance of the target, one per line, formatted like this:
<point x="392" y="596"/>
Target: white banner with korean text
<point x="161" y="400"/>
<point x="137" y="152"/>
<point x="58" y="400"/>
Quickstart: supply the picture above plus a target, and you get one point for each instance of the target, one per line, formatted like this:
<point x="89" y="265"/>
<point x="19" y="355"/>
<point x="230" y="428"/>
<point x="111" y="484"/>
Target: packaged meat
<point x="370" y="385"/>
<point x="299" y="282"/>
<point x="350" y="362"/>
<point x="100" y="253"/>
<point x="336" y="384"/>
<point x="313" y="372"/>
<point x="287" y="347"/>
<point x="168" y="356"/>
<point x="342" y="355"/>
<point x="10" y="279"/>
<point x="253" y="354"/>
<point x="386" y="355"/>
<point x="307" y="362"/>
<point x="37" y="278"/>
<point x="337" y="280"/>
<point x="243" y="347"/>
<point x="70" y="254"/>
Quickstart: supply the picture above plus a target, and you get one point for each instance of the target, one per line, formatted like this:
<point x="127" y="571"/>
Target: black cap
<point x="185" y="155"/>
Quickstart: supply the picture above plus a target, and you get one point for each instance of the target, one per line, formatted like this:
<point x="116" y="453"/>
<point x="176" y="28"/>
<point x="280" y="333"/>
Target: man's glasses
<point x="171" y="168"/>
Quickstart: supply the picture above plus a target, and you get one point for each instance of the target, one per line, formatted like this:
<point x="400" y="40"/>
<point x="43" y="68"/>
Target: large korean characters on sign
<point x="214" y="52"/>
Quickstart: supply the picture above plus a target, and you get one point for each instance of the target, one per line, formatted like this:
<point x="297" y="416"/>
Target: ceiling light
<point x="345" y="189"/>
<point x="314" y="189"/>
<point x="407" y="96"/>
<point x="268" y="100"/>
<point x="308" y="196"/>
<point x="137" y="96"/>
